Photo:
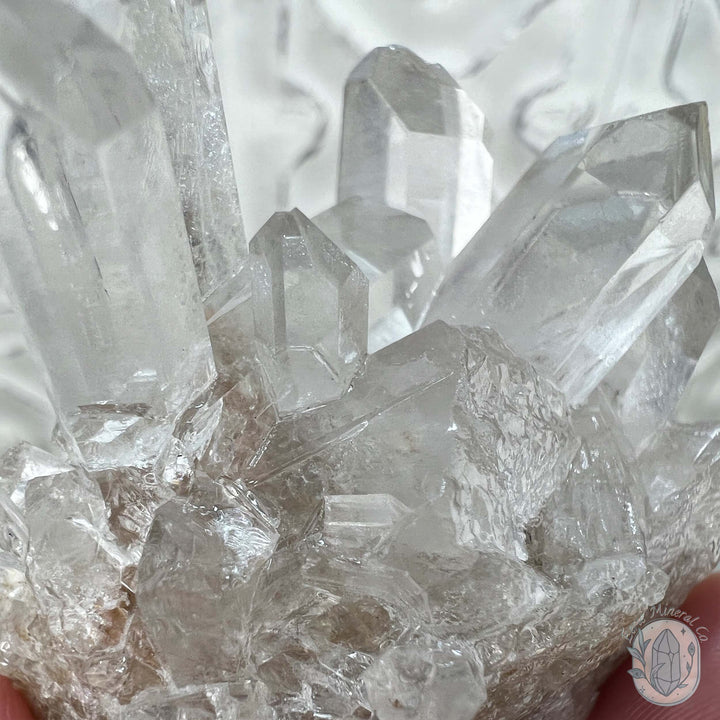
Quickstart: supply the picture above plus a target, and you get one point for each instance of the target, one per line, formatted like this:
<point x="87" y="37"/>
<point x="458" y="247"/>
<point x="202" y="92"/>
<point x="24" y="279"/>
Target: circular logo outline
<point x="666" y="662"/>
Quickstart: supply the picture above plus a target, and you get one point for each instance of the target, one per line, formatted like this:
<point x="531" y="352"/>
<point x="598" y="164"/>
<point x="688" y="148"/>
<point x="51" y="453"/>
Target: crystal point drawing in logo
<point x="666" y="662"/>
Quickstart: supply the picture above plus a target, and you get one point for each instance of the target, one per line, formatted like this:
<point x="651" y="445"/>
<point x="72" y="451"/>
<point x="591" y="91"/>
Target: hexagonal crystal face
<point x="591" y="244"/>
<point x="310" y="308"/>
<point x="399" y="256"/>
<point x="414" y="140"/>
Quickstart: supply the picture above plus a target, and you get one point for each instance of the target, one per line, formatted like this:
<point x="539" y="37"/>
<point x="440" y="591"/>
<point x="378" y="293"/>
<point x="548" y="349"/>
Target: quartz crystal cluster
<point x="352" y="470"/>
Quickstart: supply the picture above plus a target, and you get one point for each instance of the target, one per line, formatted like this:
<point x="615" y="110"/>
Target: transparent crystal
<point x="121" y="328"/>
<point x="647" y="385"/>
<point x="171" y="45"/>
<point x="201" y="561"/>
<point x="413" y="140"/>
<point x="590" y="245"/>
<point x="399" y="256"/>
<point x="426" y="683"/>
<point x="310" y="311"/>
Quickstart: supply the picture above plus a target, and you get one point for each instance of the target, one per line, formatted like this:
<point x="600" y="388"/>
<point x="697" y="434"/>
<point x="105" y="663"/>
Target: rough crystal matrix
<point x="462" y="524"/>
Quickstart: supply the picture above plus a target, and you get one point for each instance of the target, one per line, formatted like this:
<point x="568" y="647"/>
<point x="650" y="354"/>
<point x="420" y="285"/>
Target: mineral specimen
<point x="310" y="310"/>
<point x="413" y="140"/>
<point x="170" y="44"/>
<point x="255" y="518"/>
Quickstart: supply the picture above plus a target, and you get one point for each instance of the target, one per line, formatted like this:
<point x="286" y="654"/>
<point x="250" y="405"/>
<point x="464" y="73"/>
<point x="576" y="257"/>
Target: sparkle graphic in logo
<point x="666" y="662"/>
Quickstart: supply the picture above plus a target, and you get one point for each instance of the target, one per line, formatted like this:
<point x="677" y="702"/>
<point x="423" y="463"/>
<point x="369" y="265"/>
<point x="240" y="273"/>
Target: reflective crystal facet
<point x="200" y="562"/>
<point x="398" y="255"/>
<point x="171" y="46"/>
<point x="413" y="140"/>
<point x="590" y="245"/>
<point x="310" y="310"/>
<point x="103" y="271"/>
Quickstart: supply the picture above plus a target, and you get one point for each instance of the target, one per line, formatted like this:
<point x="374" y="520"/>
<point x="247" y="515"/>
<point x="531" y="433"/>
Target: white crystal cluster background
<point x="427" y="454"/>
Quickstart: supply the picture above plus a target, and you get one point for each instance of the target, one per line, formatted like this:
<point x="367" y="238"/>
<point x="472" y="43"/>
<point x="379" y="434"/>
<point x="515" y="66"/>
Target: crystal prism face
<point x="310" y="309"/>
<point x="102" y="269"/>
<point x="170" y="45"/>
<point x="399" y="256"/>
<point x="647" y="385"/>
<point x="413" y="140"/>
<point x="591" y="244"/>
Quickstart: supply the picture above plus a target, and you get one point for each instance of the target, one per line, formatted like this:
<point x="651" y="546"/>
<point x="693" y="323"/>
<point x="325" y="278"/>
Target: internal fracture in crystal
<point x="412" y="139"/>
<point x="171" y="46"/>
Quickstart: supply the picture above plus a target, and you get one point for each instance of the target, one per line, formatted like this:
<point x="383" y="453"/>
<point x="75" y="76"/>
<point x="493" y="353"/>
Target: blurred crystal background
<point x="536" y="68"/>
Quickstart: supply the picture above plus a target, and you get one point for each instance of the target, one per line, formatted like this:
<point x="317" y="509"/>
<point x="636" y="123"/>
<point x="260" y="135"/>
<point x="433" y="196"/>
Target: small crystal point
<point x="590" y="245"/>
<point x="102" y="272"/>
<point x="310" y="308"/>
<point x="399" y="256"/>
<point x="414" y="140"/>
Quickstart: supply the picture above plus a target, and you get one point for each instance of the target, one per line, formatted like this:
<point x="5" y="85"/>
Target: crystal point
<point x="613" y="220"/>
<point x="399" y="256"/>
<point x="414" y="140"/>
<point x="170" y="44"/>
<point x="102" y="271"/>
<point x="310" y="310"/>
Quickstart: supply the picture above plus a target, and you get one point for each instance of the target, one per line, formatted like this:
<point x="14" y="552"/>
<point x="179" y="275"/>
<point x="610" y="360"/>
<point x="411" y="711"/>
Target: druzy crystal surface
<point x="312" y="485"/>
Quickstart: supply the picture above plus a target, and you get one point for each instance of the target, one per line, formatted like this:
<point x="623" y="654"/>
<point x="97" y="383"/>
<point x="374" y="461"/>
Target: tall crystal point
<point x="170" y="42"/>
<point x="171" y="47"/>
<point x="590" y="245"/>
<point x="310" y="309"/>
<point x="103" y="271"/>
<point x="414" y="140"/>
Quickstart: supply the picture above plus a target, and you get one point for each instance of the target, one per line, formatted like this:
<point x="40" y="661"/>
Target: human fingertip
<point x="12" y="703"/>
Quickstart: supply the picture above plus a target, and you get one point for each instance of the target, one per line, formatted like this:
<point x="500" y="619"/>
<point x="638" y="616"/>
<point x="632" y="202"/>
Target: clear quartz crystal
<point x="310" y="310"/>
<point x="103" y="271"/>
<point x="430" y="530"/>
<point x="170" y="43"/>
<point x="399" y="256"/>
<point x="647" y="385"/>
<point x="590" y="245"/>
<point x="414" y="140"/>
